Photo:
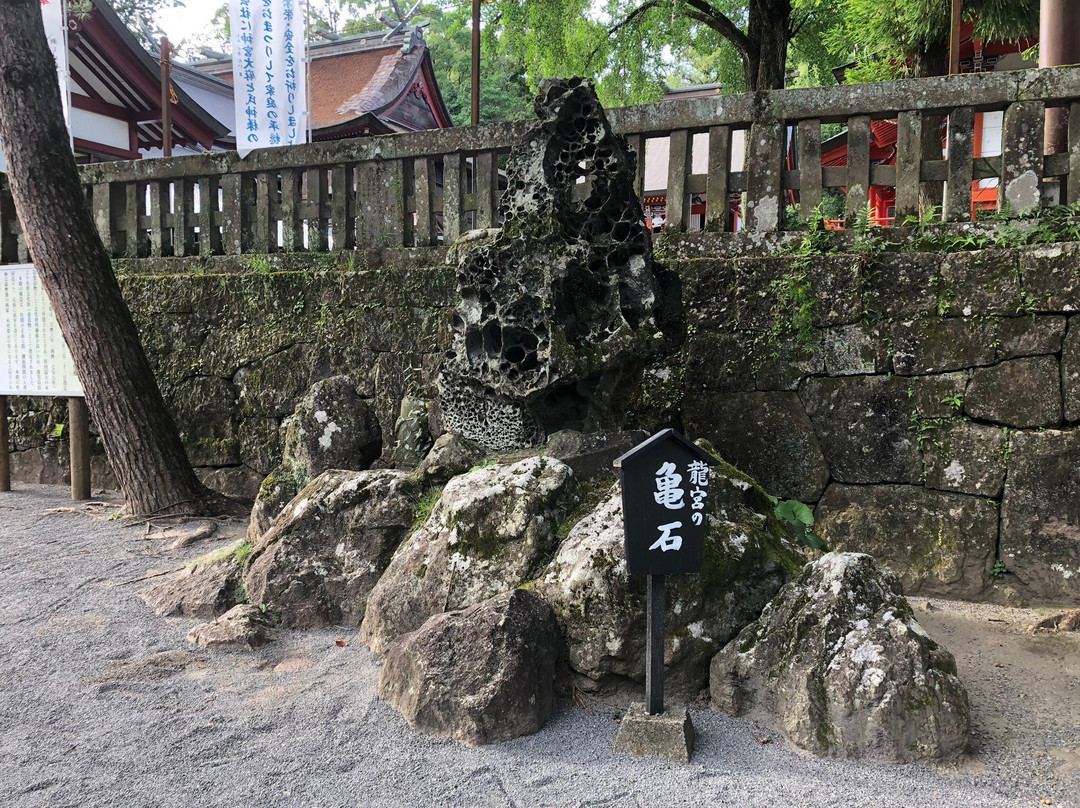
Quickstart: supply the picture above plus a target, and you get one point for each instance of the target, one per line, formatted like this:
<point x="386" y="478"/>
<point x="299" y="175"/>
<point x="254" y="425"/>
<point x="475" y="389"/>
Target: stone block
<point x="902" y="285"/>
<point x="853" y="350"/>
<point x="1040" y="515"/>
<point x="260" y="443"/>
<point x="205" y="410"/>
<point x="1029" y="336"/>
<point x="733" y="361"/>
<point x="1051" y="276"/>
<point x="965" y="457"/>
<point x="669" y="735"/>
<point x="767" y="435"/>
<point x="979" y="283"/>
<point x="864" y="424"/>
<point x="1070" y="370"/>
<point x="1018" y="393"/>
<point x="938" y="344"/>
<point x="939" y="543"/>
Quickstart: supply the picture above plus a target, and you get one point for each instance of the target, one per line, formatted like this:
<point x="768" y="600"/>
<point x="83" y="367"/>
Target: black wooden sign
<point x="665" y="492"/>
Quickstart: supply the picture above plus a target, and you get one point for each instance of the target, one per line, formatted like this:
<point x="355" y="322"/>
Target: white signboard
<point x="269" y="73"/>
<point x="34" y="359"/>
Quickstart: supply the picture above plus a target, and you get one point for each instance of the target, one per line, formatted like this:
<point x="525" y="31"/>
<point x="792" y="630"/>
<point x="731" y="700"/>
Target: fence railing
<point x="423" y="188"/>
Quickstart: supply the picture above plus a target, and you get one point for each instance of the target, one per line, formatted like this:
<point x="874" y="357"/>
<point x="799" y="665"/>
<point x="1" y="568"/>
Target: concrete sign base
<point x="669" y="736"/>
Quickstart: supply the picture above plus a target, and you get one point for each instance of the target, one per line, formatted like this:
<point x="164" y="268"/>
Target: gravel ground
<point x="103" y="704"/>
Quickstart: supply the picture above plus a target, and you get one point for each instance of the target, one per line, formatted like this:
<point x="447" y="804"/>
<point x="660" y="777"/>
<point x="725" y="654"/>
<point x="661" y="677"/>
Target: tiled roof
<point x="346" y="86"/>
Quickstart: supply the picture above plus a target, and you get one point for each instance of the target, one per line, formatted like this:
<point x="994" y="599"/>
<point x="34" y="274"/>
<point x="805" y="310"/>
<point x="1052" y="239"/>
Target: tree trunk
<point x="769" y="31"/>
<point x="140" y="437"/>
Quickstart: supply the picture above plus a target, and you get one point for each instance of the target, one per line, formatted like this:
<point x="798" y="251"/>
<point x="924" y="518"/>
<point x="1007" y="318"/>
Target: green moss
<point x="425" y="507"/>
<point x="592" y="494"/>
<point x="242" y="552"/>
<point x="220" y="555"/>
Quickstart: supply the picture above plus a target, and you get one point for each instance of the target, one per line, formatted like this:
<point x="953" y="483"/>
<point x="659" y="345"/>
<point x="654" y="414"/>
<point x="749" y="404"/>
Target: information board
<point x="34" y="359"/>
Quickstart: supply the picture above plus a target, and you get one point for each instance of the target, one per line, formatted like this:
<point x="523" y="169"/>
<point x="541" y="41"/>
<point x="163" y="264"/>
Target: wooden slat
<point x="317" y="196"/>
<point x="909" y="140"/>
<point x="184" y="207"/>
<point x="134" y="194"/>
<point x="342" y="225"/>
<point x="1022" y="157"/>
<point x="678" y="166"/>
<point x="424" y="190"/>
<point x="263" y="226"/>
<point x="959" y="161"/>
<point x="240" y="200"/>
<point x="160" y="240"/>
<point x="209" y="232"/>
<point x="451" y="201"/>
<point x="486" y="179"/>
<point x="809" y="142"/>
<point x="1073" y="183"/>
<point x="292" y="227"/>
<point x="717" y="192"/>
<point x="858" y="167"/>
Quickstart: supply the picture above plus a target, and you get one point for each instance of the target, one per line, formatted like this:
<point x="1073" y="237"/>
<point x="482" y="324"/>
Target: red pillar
<point x="1059" y="44"/>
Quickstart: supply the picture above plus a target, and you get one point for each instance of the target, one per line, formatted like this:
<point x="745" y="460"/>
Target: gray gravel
<point x="104" y="704"/>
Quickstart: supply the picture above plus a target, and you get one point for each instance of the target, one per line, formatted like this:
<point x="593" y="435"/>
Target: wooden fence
<point x="422" y="188"/>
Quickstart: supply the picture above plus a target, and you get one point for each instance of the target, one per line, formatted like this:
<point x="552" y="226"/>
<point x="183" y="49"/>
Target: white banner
<point x="34" y="359"/>
<point x="269" y="73"/>
<point x="52" y="14"/>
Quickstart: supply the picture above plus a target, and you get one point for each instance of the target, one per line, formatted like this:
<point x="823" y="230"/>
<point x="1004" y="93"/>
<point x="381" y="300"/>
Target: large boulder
<point x="838" y="663"/>
<point x="204" y="588"/>
<point x="243" y="626"/>
<point x="322" y="555"/>
<point x="333" y="427"/>
<point x="489" y="532"/>
<point x="481" y="675"/>
<point x="561" y="304"/>
<point x="601" y="609"/>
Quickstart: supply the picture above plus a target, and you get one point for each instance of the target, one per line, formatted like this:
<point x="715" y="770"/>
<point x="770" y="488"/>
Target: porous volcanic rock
<point x="559" y="306"/>
<point x="838" y="664"/>
<point x="480" y="675"/>
<point x="489" y="532"/>
<point x="322" y="555"/>
<point x="243" y="626"/>
<point x="601" y="609"/>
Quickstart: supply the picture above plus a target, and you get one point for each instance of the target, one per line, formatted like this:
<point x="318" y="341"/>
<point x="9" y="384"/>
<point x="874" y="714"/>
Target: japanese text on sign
<point x="670" y="494"/>
<point x="269" y="73"/>
<point x="34" y="359"/>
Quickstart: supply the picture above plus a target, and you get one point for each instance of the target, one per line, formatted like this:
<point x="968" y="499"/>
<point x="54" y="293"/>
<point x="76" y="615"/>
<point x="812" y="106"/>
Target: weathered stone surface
<point x="412" y="439"/>
<point x="1040" y="515"/>
<point x="938" y="543"/>
<point x="864" y="425"/>
<point x="731" y="362"/>
<point x="979" y="283"/>
<point x="853" y="350"/>
<point x="669" y="736"/>
<point x="601" y="609"/>
<point x="239" y="482"/>
<point x="562" y="301"/>
<point x="1070" y="370"/>
<point x="902" y="285"/>
<point x="332" y="428"/>
<point x="490" y="531"/>
<point x="1029" y="336"/>
<point x="205" y="408"/>
<point x="965" y="457"/>
<point x="936" y="345"/>
<point x="1019" y="393"/>
<point x="766" y="434"/>
<point x="260" y="444"/>
<point x="275" y="492"/>
<point x="591" y="456"/>
<point x="243" y="626"/>
<point x="322" y="555"/>
<point x="450" y="456"/>
<point x="205" y="588"/>
<point x="481" y="675"/>
<point x="1050" y="277"/>
<point x="838" y="663"/>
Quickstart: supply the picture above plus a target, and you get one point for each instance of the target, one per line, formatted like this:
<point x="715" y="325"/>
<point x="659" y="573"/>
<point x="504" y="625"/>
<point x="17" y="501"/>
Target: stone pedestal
<point x="669" y="736"/>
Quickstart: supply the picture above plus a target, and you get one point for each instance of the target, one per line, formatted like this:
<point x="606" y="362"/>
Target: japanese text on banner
<point x="269" y="73"/>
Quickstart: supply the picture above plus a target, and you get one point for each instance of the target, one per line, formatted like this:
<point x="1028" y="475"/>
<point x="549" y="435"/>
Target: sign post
<point x="665" y="492"/>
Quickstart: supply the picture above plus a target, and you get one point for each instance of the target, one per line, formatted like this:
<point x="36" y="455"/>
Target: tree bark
<point x="769" y="29"/>
<point x="141" y="440"/>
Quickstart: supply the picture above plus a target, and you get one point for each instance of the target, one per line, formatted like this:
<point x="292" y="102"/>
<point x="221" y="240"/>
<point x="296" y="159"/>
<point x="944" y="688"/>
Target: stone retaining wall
<point x="927" y="405"/>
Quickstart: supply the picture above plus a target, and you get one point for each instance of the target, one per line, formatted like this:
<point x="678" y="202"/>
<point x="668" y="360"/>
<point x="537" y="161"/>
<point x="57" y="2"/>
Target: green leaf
<point x="795" y="513"/>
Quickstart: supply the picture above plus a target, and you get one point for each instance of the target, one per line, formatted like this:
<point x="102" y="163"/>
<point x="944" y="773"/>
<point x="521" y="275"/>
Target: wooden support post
<point x="5" y="456"/>
<point x="654" y="645"/>
<point x="79" y="445"/>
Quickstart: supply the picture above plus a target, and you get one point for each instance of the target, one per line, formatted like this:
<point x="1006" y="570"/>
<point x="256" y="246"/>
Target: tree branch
<point x="704" y="13"/>
<point x="627" y="20"/>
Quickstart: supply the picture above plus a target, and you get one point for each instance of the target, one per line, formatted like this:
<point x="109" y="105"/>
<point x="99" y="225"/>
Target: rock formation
<point x="560" y="304"/>
<point x="838" y="663"/>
